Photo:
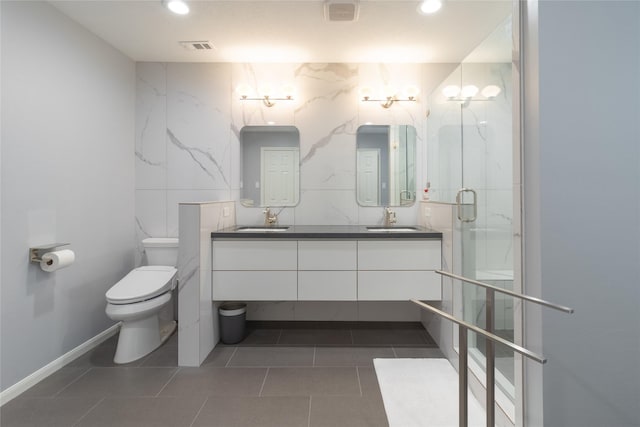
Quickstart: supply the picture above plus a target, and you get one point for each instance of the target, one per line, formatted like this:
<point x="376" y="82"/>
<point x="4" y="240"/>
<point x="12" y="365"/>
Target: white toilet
<point x="139" y="299"/>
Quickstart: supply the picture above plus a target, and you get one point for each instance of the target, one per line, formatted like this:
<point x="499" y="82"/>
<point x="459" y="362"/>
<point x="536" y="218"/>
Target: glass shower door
<point x="470" y="165"/>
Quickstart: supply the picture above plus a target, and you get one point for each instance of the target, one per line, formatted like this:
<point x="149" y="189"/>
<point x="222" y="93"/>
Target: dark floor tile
<point x="300" y="324"/>
<point x="254" y="412"/>
<point x="315" y="337"/>
<point x="395" y="337"/>
<point x="164" y="356"/>
<point x="106" y="382"/>
<point x="216" y="382"/>
<point x="144" y="412"/>
<point x="369" y="382"/>
<point x="418" y="352"/>
<point x="101" y="357"/>
<point x="350" y="356"/>
<point x="260" y="337"/>
<point x="55" y="382"/>
<point x="38" y="412"/>
<point x="218" y="357"/>
<point x="347" y="411"/>
<point x="388" y="325"/>
<point x="267" y="324"/>
<point x="172" y="341"/>
<point x="311" y="382"/>
<point x="273" y="356"/>
<point x="112" y="341"/>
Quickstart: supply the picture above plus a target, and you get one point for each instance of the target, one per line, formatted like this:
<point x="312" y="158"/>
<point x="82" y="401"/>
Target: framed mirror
<point x="386" y="165"/>
<point x="269" y="166"/>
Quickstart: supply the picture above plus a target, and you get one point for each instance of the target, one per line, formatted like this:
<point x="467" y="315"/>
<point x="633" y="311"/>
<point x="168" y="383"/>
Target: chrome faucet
<point x="389" y="217"/>
<point x="270" y="218"/>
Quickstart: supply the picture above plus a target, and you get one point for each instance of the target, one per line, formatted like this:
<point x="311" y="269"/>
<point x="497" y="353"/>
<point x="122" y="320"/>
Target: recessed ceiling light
<point x="430" y="6"/>
<point x="178" y="7"/>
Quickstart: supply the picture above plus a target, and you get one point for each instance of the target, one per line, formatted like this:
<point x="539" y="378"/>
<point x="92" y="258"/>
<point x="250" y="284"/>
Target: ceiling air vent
<point x="197" y="45"/>
<point x="341" y="10"/>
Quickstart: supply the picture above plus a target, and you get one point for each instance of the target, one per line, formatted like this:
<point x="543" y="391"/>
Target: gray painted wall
<point x="68" y="112"/>
<point x="582" y="210"/>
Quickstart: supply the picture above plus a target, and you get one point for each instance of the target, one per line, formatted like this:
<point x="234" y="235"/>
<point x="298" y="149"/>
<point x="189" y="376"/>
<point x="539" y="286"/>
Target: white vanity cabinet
<point x="330" y="269"/>
<point x="391" y="270"/>
<point x="254" y="270"/>
<point x="327" y="270"/>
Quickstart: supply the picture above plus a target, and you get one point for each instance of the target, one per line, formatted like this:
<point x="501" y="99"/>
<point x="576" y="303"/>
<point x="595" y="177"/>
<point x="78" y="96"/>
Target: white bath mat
<point x="423" y="393"/>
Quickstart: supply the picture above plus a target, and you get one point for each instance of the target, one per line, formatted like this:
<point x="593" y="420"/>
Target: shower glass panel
<point x="470" y="146"/>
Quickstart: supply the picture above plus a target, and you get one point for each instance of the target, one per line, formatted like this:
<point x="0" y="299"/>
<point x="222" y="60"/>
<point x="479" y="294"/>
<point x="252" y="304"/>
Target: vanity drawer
<point x="255" y="255"/>
<point x="399" y="254"/>
<point x="327" y="255"/>
<point x="327" y="286"/>
<point x="254" y="285"/>
<point x="399" y="285"/>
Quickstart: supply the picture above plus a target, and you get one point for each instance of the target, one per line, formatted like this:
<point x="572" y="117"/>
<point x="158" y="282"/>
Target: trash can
<point x="232" y="319"/>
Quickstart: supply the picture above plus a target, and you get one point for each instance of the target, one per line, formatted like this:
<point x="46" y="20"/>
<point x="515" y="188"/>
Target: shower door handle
<point x="459" y="204"/>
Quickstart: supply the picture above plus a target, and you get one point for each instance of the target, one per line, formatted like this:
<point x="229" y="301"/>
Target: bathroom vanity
<point x="326" y="263"/>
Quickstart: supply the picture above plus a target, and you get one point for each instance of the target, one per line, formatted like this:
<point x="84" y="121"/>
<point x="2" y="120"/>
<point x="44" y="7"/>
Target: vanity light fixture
<point x="179" y="7"/>
<point x="389" y="95"/>
<point x="265" y="94"/>
<point x="467" y="93"/>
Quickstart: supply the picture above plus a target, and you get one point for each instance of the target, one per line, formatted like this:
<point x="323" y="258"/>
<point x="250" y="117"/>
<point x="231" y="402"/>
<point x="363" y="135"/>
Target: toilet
<point x="141" y="301"/>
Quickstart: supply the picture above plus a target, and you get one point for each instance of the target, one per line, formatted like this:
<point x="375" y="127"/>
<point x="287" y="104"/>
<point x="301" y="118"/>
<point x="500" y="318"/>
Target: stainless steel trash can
<point x="232" y="317"/>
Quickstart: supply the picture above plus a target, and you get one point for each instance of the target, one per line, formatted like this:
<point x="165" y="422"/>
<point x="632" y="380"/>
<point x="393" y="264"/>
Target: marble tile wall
<point x="197" y="315"/>
<point x="188" y="119"/>
<point x="472" y="147"/>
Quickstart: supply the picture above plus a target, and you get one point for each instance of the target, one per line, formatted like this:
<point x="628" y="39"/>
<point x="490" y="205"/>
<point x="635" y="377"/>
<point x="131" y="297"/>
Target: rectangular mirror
<point x="386" y="165"/>
<point x="269" y="166"/>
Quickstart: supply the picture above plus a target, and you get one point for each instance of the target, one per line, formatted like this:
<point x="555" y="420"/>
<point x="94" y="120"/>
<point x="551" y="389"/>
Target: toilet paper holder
<point x="35" y="253"/>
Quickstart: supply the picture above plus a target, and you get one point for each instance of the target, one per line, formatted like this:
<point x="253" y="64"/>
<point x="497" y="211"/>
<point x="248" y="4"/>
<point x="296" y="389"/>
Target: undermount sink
<point x="393" y="229"/>
<point x="261" y="229"/>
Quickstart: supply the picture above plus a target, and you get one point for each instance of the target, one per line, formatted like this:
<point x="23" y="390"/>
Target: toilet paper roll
<point x="55" y="260"/>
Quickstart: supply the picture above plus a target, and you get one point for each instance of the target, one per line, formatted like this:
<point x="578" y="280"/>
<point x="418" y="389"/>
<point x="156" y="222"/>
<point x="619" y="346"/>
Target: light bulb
<point x="266" y="91"/>
<point x="389" y="91"/>
<point x="365" y="92"/>
<point x="178" y="7"/>
<point x="469" y="91"/>
<point x="491" y="91"/>
<point x="244" y="90"/>
<point x="411" y="92"/>
<point x="451" y="91"/>
<point x="288" y="91"/>
<point x="430" y="6"/>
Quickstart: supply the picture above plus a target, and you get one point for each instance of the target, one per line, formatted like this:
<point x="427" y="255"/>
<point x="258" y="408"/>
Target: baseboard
<point x="42" y="373"/>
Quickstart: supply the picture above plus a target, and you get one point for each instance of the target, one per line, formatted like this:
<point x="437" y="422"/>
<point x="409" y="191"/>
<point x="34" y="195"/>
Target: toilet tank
<point x="161" y="250"/>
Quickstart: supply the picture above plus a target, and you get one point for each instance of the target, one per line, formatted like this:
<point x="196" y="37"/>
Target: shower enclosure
<point x="469" y="155"/>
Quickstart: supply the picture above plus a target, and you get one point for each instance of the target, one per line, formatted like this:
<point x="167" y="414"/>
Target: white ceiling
<point x="293" y="31"/>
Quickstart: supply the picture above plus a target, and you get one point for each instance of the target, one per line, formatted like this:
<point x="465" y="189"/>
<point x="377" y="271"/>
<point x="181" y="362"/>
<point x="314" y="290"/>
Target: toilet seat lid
<point x="141" y="284"/>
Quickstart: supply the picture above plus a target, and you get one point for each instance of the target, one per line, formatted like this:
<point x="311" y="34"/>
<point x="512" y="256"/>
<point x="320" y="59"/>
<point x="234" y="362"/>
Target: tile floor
<point x="307" y="374"/>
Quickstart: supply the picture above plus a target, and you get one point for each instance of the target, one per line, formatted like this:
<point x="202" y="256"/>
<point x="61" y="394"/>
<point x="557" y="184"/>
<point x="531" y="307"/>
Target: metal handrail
<point x="523" y="351"/>
<point x="508" y="292"/>
<point x="489" y="347"/>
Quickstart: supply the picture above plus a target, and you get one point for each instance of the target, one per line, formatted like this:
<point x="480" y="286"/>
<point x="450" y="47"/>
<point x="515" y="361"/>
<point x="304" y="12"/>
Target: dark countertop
<point x="327" y="232"/>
